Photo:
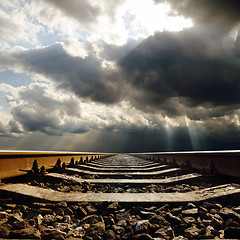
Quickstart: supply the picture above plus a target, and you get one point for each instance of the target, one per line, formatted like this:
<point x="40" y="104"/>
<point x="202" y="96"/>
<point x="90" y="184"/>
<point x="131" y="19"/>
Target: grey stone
<point x="122" y="223"/>
<point x="4" y="217"/>
<point x="27" y="233"/>
<point x="90" y="219"/>
<point x="4" y="232"/>
<point x="147" y="215"/>
<point x="173" y="219"/>
<point x="160" y="220"/>
<point x="193" y="212"/>
<point x="109" y="235"/>
<point x="81" y="212"/>
<point x="176" y="211"/>
<point x="165" y="232"/>
<point x="142" y="226"/>
<point x="118" y="230"/>
<point x="113" y="206"/>
<point x="189" y="220"/>
<point x="91" y="209"/>
<point x="210" y="232"/>
<point x="49" y="234"/>
<point x="67" y="219"/>
<point x="48" y="219"/>
<point x="142" y="236"/>
<point x="217" y="222"/>
<point x="192" y="232"/>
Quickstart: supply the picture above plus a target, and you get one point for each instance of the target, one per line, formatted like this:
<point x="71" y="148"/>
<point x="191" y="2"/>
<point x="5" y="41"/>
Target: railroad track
<point x="120" y="197"/>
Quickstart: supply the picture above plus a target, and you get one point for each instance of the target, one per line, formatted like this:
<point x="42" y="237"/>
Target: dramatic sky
<point x="119" y="75"/>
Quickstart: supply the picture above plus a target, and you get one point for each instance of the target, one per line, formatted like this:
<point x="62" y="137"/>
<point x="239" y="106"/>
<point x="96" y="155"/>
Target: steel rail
<point x="226" y="162"/>
<point x="16" y="163"/>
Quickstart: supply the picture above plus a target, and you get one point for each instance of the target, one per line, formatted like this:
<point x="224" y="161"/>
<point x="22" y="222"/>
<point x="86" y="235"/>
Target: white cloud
<point x="16" y="27"/>
<point x="75" y="48"/>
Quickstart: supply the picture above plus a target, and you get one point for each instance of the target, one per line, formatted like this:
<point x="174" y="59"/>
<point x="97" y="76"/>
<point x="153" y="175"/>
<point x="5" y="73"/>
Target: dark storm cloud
<point x="192" y="65"/>
<point x="85" y="12"/>
<point x="219" y="15"/>
<point x="85" y="77"/>
<point x="82" y="10"/>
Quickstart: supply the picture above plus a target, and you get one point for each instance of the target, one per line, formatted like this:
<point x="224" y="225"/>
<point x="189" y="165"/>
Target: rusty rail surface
<point x="16" y="163"/>
<point x="226" y="162"/>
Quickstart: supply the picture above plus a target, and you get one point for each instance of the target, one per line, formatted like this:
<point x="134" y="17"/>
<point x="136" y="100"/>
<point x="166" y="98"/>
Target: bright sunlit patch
<point x="148" y="17"/>
<point x="75" y="48"/>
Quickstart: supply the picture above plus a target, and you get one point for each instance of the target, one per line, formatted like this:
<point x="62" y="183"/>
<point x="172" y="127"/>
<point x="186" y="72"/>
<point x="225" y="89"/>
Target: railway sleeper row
<point x="141" y="199"/>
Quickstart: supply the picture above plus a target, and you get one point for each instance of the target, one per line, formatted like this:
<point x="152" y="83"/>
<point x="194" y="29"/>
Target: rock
<point x="16" y="217"/>
<point x="27" y="233"/>
<point x="160" y="220"/>
<point x="150" y="209"/>
<point x="142" y="226"/>
<point x="61" y="205"/>
<point x="67" y="219"/>
<point x="147" y="215"/>
<point x="205" y="215"/>
<point x="74" y="234"/>
<point x="173" y="219"/>
<point x="90" y="219"/>
<point x="176" y="211"/>
<point x="207" y="222"/>
<point x="81" y="212"/>
<point x="68" y="211"/>
<point x="193" y="232"/>
<point x="23" y="208"/>
<point x="237" y="209"/>
<point x="4" y="232"/>
<point x="3" y="217"/>
<point x="232" y="232"/>
<point x="118" y="230"/>
<point x="179" y="229"/>
<point x="66" y="189"/>
<point x="235" y="216"/>
<point x="98" y="228"/>
<point x="142" y="236"/>
<point x="189" y="206"/>
<point x="20" y="224"/>
<point x="109" y="221"/>
<point x="32" y="213"/>
<point x="231" y="223"/>
<point x="50" y="234"/>
<point x="165" y="232"/>
<point x="10" y="206"/>
<point x="88" y="238"/>
<point x="113" y="206"/>
<point x="209" y="205"/>
<point x="38" y="205"/>
<point x="189" y="220"/>
<point x="44" y="211"/>
<point x="217" y="221"/>
<point x="91" y="209"/>
<point x="163" y="208"/>
<point x="59" y="211"/>
<point x="109" y="235"/>
<point x="210" y="232"/>
<point x="193" y="212"/>
<point x="48" y="219"/>
<point x="123" y="216"/>
<point x="202" y="209"/>
<point x="122" y="223"/>
<point x="176" y="238"/>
